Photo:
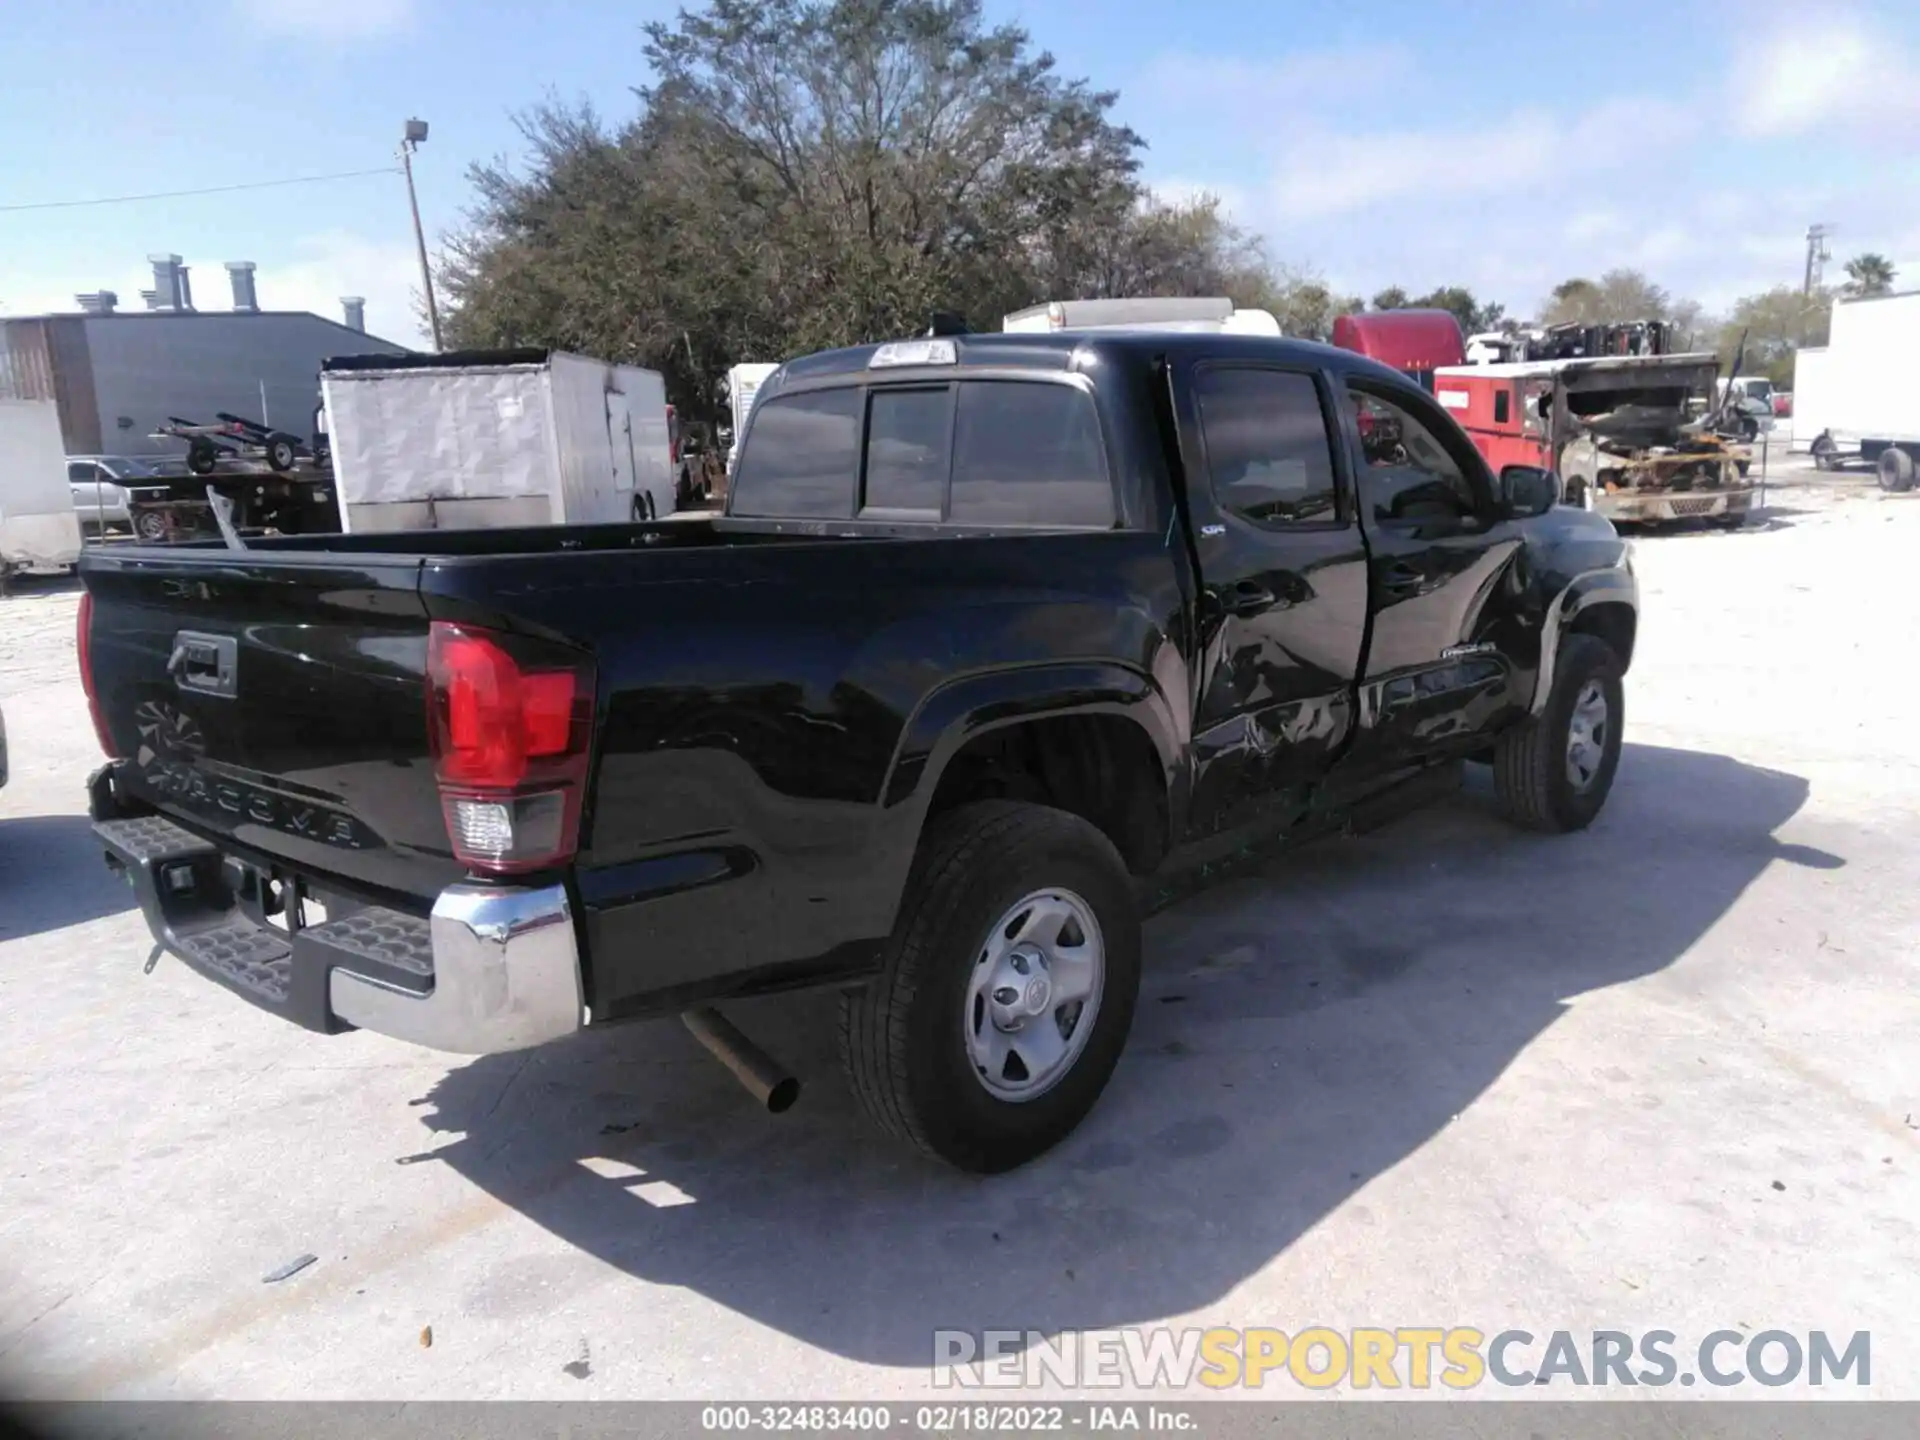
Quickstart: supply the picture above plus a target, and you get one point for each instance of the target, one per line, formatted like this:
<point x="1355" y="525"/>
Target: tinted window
<point x="802" y="454"/>
<point x="1502" y="406"/>
<point x="1028" y="453"/>
<point x="1408" y="475"/>
<point x="907" y="438"/>
<point x="79" y="470"/>
<point x="1268" y="449"/>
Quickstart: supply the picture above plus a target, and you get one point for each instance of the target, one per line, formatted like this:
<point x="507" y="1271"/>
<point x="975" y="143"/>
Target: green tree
<point x="1391" y="298"/>
<point x="1869" y="274"/>
<point x="810" y="173"/>
<point x="1619" y="297"/>
<point x="1574" y="301"/>
<point x="1692" y="328"/>
<point x="1776" y="323"/>
<point x="1306" y="307"/>
<point x="1472" y="315"/>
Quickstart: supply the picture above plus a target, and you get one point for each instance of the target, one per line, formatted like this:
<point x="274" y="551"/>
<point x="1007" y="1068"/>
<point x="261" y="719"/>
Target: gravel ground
<point x="1662" y="1074"/>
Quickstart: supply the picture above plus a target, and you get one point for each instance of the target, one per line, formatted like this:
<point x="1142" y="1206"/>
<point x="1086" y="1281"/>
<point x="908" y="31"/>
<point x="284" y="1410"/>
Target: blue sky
<point x="1499" y="145"/>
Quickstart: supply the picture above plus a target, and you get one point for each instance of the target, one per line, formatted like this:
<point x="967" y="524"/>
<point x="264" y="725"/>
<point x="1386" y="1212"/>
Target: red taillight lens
<point x="509" y="721"/>
<point x="83" y="641"/>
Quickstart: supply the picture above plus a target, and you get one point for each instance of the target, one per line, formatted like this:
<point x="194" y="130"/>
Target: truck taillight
<point x="83" y="642"/>
<point x="509" y="721"/>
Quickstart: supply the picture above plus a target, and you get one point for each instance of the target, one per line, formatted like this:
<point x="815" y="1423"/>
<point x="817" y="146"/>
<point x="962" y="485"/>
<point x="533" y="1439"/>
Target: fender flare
<point x="1611" y="585"/>
<point x="958" y="710"/>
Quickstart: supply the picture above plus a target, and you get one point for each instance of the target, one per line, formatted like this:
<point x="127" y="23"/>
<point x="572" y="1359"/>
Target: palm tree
<point x="1869" y="274"/>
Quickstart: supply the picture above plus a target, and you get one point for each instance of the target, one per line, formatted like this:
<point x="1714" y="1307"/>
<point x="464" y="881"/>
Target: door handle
<point x="1250" y="597"/>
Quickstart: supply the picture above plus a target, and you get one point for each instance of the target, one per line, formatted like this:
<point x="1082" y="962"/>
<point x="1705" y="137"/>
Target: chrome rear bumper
<point x="506" y="976"/>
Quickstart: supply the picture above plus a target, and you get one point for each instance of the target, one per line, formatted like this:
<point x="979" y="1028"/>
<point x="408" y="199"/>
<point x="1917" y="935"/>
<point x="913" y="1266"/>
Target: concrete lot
<point x="1662" y="1074"/>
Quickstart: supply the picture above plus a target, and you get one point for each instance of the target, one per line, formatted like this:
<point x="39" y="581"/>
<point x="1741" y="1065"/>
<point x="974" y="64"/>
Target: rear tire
<point x="1896" y="470"/>
<point x="1538" y="765"/>
<point x="908" y="1038"/>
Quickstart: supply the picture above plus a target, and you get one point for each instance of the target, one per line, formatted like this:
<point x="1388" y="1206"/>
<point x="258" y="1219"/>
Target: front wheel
<point x="1553" y="771"/>
<point x="1008" y="988"/>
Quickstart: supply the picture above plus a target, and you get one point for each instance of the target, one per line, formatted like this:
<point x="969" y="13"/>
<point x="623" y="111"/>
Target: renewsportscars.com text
<point x="1413" y="1358"/>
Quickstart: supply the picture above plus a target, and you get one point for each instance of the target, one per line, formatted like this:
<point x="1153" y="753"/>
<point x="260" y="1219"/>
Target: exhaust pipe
<point x="765" y="1077"/>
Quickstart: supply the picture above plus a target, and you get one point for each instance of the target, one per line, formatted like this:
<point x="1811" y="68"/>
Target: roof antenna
<point x="946" y="322"/>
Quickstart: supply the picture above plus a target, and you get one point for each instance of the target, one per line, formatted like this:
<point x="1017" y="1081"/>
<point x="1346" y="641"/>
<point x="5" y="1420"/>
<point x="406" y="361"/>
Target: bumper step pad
<point x="189" y="898"/>
<point x="151" y="840"/>
<point x="246" y="956"/>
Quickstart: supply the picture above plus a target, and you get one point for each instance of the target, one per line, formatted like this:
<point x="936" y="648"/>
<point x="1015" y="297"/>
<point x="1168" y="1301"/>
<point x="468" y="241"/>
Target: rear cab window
<point x="977" y="452"/>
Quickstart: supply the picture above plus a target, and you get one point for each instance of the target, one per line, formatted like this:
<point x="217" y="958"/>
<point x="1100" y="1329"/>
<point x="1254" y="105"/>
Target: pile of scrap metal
<point x="1626" y="446"/>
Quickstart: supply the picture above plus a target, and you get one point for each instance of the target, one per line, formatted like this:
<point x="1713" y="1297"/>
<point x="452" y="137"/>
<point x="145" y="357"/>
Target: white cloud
<point x="386" y="274"/>
<point x="1271" y="87"/>
<point x="1810" y="75"/>
<point x="1328" y="174"/>
<point x="1236" y="200"/>
<point x="324" y="20"/>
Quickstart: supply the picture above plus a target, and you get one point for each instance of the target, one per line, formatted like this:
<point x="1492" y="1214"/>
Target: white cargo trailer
<point x="38" y="527"/>
<point x="743" y="383"/>
<point x="1213" y="315"/>
<point x="495" y="438"/>
<point x="1868" y="386"/>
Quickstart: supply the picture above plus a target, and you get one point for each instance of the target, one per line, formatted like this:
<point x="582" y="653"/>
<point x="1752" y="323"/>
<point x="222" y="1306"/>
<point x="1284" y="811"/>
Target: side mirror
<point x="1527" y="490"/>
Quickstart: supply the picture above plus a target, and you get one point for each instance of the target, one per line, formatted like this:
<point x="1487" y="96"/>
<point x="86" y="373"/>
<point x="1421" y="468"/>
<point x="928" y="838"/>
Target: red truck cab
<point x="1414" y="342"/>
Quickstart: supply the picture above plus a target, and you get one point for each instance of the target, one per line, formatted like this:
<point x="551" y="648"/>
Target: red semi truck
<point x="1414" y="342"/>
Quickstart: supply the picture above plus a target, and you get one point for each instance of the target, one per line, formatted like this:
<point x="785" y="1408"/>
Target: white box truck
<point x="1867" y="387"/>
<point x="38" y="527"/>
<point x="1213" y="315"/>
<point x="743" y="383"/>
<point x="479" y="439"/>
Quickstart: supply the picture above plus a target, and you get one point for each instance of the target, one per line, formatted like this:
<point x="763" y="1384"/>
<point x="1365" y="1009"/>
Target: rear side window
<point x="1028" y="453"/>
<point x="1269" y="451"/>
<point x="801" y="458"/>
<point x="909" y="435"/>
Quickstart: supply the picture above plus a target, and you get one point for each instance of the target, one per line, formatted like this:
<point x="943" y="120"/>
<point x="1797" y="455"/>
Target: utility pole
<point x="1817" y="255"/>
<point x="416" y="132"/>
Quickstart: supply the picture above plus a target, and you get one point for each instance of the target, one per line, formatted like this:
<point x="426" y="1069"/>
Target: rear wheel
<point x="1008" y="990"/>
<point x="1553" y="772"/>
<point x="1896" y="470"/>
<point x="202" y="457"/>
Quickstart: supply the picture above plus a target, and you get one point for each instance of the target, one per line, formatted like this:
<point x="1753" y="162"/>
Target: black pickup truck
<point x="997" y="636"/>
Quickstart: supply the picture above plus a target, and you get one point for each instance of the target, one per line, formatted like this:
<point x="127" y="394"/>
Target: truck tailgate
<point x="277" y="703"/>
